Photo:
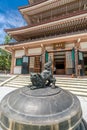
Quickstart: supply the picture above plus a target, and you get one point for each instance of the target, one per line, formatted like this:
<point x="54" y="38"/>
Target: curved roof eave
<point x="16" y="29"/>
<point x="30" y="5"/>
<point x="28" y="28"/>
<point x="67" y="38"/>
<point x="43" y="6"/>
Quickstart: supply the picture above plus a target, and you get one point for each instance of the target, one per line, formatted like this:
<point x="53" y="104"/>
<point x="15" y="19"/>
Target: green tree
<point x="5" y="57"/>
<point x="5" y="60"/>
<point x="7" y="39"/>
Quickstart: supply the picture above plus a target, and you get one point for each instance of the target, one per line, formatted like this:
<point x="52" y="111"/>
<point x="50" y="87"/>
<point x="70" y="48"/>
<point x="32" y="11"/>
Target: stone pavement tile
<point x="4" y="91"/>
<point x="85" y="98"/>
<point x="81" y="98"/>
<point x="83" y="102"/>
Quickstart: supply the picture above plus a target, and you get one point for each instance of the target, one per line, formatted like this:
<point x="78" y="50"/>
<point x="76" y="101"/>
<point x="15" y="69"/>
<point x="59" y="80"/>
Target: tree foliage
<point x="7" y="39"/>
<point x="5" y="57"/>
<point x="5" y="60"/>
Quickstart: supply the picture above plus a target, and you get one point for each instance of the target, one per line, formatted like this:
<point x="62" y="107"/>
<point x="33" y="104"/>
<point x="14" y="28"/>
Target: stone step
<point x="70" y="87"/>
<point x="13" y="85"/>
<point x="79" y="93"/>
<point x="78" y="81"/>
<point x="75" y="89"/>
<point x="80" y="88"/>
<point x="67" y="80"/>
<point x="24" y="77"/>
<point x="21" y="80"/>
<point x="57" y="83"/>
<point x="67" y="84"/>
<point x="71" y="81"/>
<point x="23" y="84"/>
<point x="70" y="78"/>
<point x="74" y="84"/>
<point x="58" y="80"/>
<point x="16" y="80"/>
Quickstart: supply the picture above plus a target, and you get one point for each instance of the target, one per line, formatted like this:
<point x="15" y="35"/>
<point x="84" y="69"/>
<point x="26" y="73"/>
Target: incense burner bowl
<point x="41" y="109"/>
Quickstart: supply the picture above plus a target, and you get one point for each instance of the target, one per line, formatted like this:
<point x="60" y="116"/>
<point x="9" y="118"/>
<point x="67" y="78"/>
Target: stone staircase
<point x="77" y="86"/>
<point x="18" y="82"/>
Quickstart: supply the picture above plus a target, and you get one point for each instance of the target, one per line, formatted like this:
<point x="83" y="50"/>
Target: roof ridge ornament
<point x="45" y="78"/>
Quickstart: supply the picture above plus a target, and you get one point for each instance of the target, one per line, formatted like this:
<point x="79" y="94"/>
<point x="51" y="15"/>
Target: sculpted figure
<point x="45" y="79"/>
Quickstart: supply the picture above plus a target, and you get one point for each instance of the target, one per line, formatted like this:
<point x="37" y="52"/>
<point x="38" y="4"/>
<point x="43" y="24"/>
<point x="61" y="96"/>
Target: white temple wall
<point x="49" y="48"/>
<point x="17" y="70"/>
<point x="19" y="53"/>
<point x="69" y="45"/>
<point x="83" y="45"/>
<point x="34" y="51"/>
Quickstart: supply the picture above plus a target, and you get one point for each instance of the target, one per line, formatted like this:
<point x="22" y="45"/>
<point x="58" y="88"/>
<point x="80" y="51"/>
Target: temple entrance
<point x="85" y="63"/>
<point x="59" y="63"/>
<point x="35" y="64"/>
<point x="25" y="64"/>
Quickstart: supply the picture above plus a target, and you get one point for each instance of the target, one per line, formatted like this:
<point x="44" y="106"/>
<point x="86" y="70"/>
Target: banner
<point x="73" y="54"/>
<point x="69" y="61"/>
<point x="46" y="56"/>
<point x="80" y="56"/>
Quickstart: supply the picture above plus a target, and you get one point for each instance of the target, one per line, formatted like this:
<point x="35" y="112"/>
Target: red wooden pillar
<point x="42" y="56"/>
<point x="12" y="62"/>
<point x="77" y="47"/>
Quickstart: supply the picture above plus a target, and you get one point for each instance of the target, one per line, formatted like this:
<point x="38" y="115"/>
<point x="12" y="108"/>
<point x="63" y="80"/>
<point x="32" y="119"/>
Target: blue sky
<point x="10" y="17"/>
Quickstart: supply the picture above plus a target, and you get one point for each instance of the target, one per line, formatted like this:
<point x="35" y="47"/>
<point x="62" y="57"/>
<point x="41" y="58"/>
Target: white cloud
<point x="15" y="19"/>
<point x="2" y="18"/>
<point x="2" y="34"/>
<point x="11" y="19"/>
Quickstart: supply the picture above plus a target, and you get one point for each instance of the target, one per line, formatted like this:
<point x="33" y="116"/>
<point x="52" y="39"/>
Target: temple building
<point x="55" y="28"/>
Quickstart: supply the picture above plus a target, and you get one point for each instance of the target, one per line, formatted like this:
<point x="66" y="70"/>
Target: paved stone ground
<point x="83" y="100"/>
